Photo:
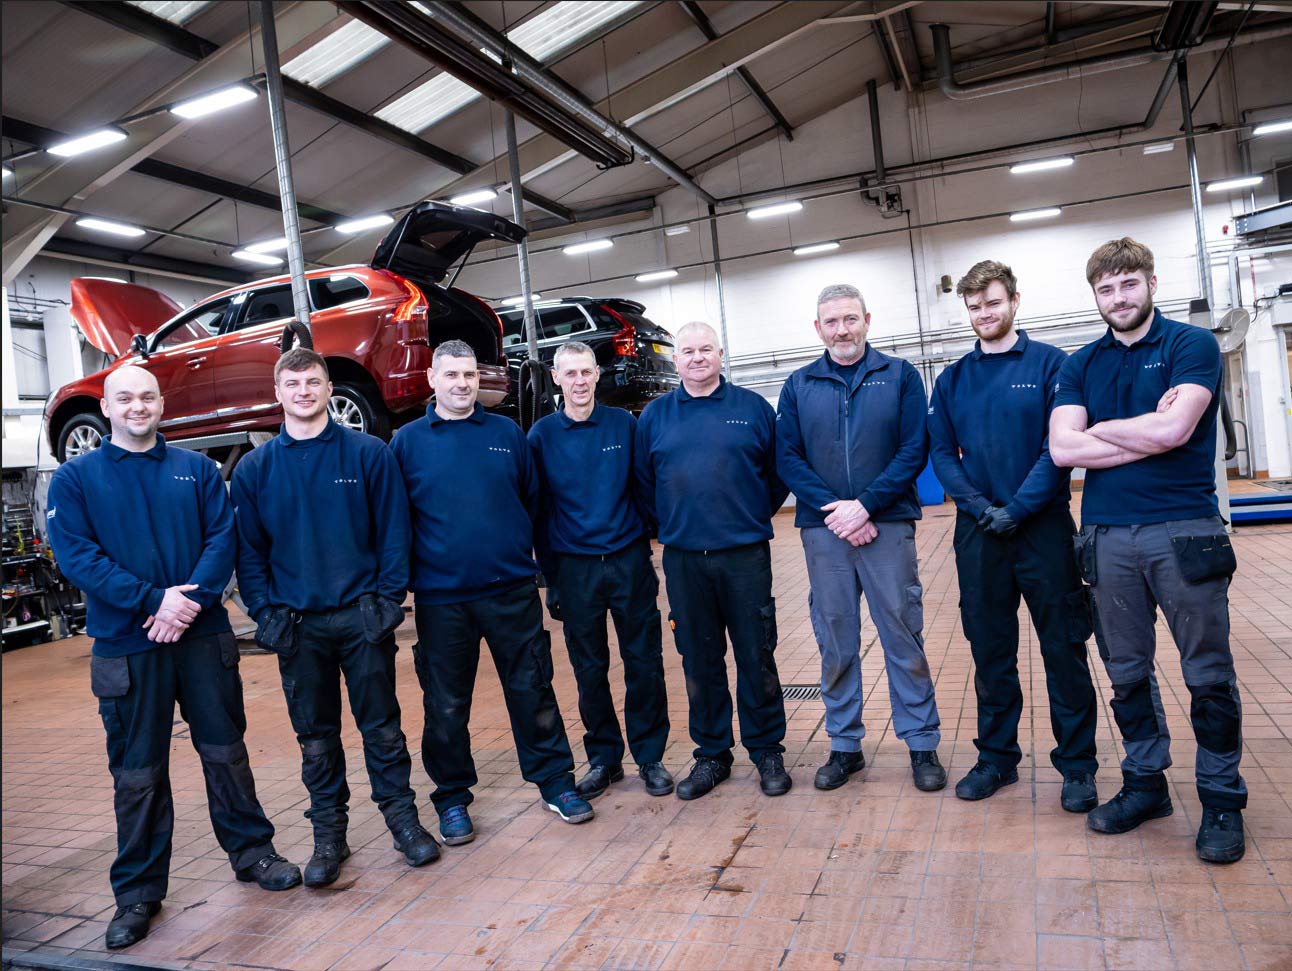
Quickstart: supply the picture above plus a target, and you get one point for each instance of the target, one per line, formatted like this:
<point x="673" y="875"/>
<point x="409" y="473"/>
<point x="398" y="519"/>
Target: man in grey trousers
<point x="850" y="441"/>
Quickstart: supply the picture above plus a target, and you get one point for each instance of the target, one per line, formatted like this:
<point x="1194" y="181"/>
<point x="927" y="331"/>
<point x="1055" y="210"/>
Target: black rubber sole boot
<point x="836" y="772"/>
<point x="1079" y="795"/>
<point x="1129" y="809"/>
<point x="983" y="782"/>
<point x="598" y="780"/>
<point x="324" y="869"/>
<point x="1220" y="837"/>
<point x="130" y="924"/>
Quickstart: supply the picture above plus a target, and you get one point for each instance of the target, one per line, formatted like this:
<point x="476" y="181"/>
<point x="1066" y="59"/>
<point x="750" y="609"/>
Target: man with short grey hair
<point x="856" y="510"/>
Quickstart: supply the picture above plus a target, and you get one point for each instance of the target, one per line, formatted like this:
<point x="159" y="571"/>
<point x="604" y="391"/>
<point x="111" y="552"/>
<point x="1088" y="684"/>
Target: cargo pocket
<point x="1080" y="626"/>
<point x="229" y="655"/>
<point x="1083" y="550"/>
<point x="1203" y="557"/>
<point x="381" y="616"/>
<point x="109" y="677"/>
<point x="771" y="680"/>
<point x="541" y="660"/>
<point x="277" y="632"/>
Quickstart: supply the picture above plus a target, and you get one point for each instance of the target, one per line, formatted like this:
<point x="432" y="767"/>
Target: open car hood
<point x="110" y="312"/>
<point x="433" y="236"/>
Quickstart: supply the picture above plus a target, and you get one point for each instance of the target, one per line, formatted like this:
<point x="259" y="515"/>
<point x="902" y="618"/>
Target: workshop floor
<point x="874" y="875"/>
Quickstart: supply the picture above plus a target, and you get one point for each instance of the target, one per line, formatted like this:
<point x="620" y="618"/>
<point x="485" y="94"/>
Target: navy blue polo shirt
<point x="706" y="468"/>
<point x="322" y="522"/>
<point x="989" y="425"/>
<point x="127" y="525"/>
<point x="1111" y="380"/>
<point x="585" y="475"/>
<point x="472" y="495"/>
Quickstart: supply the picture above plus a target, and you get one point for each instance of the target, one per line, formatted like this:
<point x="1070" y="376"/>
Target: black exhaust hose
<point x="535" y="393"/>
<point x="1226" y="416"/>
<point x="298" y="330"/>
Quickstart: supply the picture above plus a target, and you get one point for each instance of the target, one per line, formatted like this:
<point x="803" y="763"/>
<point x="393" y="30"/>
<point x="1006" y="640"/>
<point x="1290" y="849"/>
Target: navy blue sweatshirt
<point x="857" y="432"/>
<point x="585" y="474"/>
<point x="127" y="525"/>
<point x="989" y="426"/>
<point x="706" y="468"/>
<point x="473" y="494"/>
<point x="321" y="522"/>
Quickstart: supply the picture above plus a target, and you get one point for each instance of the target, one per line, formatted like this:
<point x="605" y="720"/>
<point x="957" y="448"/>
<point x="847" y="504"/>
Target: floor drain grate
<point x="801" y="692"/>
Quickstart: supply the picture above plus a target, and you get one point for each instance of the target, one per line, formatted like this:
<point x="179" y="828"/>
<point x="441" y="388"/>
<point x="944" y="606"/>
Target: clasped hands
<point x="174" y="615"/>
<point x="848" y="519"/>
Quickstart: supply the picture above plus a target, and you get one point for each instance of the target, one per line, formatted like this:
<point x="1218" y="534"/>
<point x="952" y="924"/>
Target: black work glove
<point x="553" y="602"/>
<point x="997" y="521"/>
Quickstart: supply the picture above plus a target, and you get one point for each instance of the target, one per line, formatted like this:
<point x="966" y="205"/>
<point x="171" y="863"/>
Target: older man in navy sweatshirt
<point x="473" y="493"/>
<point x="146" y="531"/>
<point x="988" y="427"/>
<point x="323" y="568"/>
<point x="851" y="440"/>
<point x="706" y="470"/>
<point x="595" y="553"/>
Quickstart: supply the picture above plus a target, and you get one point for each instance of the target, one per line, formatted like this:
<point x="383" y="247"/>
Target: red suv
<point x="377" y="326"/>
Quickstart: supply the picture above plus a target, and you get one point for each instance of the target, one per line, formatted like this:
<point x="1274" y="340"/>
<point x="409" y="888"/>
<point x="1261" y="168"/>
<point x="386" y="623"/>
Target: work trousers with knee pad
<point x="886" y="572"/>
<point x="623" y="584"/>
<point x="137" y="696"/>
<point x="713" y="596"/>
<point x="328" y="646"/>
<point x="1183" y="567"/>
<point x="994" y="571"/>
<point x="447" y="655"/>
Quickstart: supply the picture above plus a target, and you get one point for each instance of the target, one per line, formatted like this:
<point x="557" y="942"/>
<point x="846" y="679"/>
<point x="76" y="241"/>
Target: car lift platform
<point x="1254" y="510"/>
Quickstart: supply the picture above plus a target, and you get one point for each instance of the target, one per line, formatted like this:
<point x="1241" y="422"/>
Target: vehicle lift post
<point x="536" y="387"/>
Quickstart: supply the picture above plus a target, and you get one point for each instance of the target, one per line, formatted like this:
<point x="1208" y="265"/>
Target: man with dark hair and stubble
<point x="988" y="425"/>
<point x="1137" y="409"/>
<point x="323" y="569"/>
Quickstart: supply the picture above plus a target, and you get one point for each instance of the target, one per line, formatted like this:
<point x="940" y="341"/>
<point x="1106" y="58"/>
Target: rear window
<point x="327" y="292"/>
<point x="271" y="303"/>
<point x="563" y="321"/>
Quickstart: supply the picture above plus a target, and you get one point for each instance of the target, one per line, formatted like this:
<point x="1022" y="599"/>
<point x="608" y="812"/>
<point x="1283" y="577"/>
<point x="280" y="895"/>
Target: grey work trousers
<point x="885" y="571"/>
<point x="1133" y="571"/>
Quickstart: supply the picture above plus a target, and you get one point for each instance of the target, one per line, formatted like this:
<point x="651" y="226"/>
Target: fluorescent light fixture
<point x="1042" y="164"/>
<point x="591" y="246"/>
<point x="335" y="54"/>
<point x="8" y="172"/>
<point x="1030" y="214"/>
<point x="1240" y="183"/>
<point x="816" y="248"/>
<point x="475" y="196"/>
<point x="367" y="222"/>
<point x="1272" y="127"/>
<point x="209" y="104"/>
<point x="176" y="11"/>
<point x="519" y="301"/>
<point x="656" y="275"/>
<point x="107" y="226"/>
<point x="677" y="230"/>
<point x="87" y="143"/>
<point x="1157" y="148"/>
<point x="267" y="246"/>
<point x="779" y="209"/>
<point x="264" y="259"/>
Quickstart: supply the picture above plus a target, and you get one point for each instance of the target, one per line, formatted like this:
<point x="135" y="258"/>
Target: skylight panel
<point x="428" y="103"/>
<point x="335" y="54"/>
<point x="176" y="11"/>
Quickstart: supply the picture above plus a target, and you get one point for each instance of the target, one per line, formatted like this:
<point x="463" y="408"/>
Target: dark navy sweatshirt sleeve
<point x="253" y="541"/>
<point x="945" y="449"/>
<point x="392" y="530"/>
<point x="791" y="454"/>
<point x="219" y="541"/>
<point x="1045" y="480"/>
<point x="644" y="469"/>
<point x="912" y="452"/>
<point x="777" y="490"/>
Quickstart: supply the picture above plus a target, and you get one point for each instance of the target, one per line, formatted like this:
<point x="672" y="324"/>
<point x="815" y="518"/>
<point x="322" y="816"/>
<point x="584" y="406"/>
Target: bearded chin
<point x="1132" y="324"/>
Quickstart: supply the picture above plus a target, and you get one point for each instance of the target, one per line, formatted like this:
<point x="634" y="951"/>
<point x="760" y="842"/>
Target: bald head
<point x="132" y="403"/>
<point x="696" y="329"/>
<point x="130" y="377"/>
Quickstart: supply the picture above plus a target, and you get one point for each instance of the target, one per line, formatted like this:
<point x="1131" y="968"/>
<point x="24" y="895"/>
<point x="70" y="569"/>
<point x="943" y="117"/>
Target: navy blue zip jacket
<point x="859" y="438"/>
<point x="321" y="522"/>
<point x="127" y="525"/>
<point x="989" y="429"/>
<point x="706" y="468"/>
<point x="473" y="494"/>
<point x="585" y="474"/>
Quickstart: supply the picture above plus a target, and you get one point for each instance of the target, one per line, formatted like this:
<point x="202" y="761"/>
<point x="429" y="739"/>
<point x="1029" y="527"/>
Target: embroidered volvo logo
<point x="1147" y="367"/>
<point x="871" y="384"/>
<point x="495" y="448"/>
<point x="1023" y="387"/>
<point x="737" y="421"/>
<point x="611" y="448"/>
<point x="346" y="481"/>
<point x="185" y="478"/>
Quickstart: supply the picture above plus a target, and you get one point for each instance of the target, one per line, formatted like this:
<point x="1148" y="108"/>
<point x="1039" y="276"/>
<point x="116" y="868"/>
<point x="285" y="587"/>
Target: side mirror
<point x="139" y="345"/>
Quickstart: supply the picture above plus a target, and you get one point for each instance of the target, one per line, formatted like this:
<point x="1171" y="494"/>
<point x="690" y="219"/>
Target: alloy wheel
<point x="82" y="440"/>
<point x="345" y="412"/>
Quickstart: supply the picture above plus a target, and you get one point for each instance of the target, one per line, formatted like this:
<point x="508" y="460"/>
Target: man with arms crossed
<point x="146" y="531"/>
<point x="595" y="554"/>
<point x="706" y="470"/>
<point x="1137" y="409"/>
<point x="851" y="440"/>
<point x="322" y="567"/>
<point x="473" y="493"/>
<point x="988" y="423"/>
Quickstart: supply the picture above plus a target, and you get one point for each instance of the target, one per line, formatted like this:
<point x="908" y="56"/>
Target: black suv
<point x="635" y="355"/>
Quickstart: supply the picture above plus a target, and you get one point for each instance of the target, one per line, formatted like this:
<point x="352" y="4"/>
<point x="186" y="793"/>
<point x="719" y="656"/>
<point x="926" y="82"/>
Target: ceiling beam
<point x="98" y="253"/>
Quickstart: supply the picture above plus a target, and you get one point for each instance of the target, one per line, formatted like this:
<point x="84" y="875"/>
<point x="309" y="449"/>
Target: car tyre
<point x="352" y="405"/>
<point x="82" y="434"/>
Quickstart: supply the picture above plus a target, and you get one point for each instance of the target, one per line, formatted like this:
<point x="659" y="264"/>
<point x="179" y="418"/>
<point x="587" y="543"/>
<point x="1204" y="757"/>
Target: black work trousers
<point x="1036" y="563"/>
<point x="712" y="596"/>
<point x="447" y="655"/>
<point x="623" y="583"/>
<point x="328" y="646"/>
<point x="137" y="696"/>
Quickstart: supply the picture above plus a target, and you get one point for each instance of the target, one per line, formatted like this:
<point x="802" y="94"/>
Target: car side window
<point x="327" y="292"/>
<point x="200" y="322"/>
<point x="262" y="306"/>
<point x="513" y="328"/>
<point x="563" y="321"/>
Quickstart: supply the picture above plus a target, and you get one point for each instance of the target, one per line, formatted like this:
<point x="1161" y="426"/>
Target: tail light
<point x="625" y="341"/>
<point x="414" y="303"/>
<point x="488" y="310"/>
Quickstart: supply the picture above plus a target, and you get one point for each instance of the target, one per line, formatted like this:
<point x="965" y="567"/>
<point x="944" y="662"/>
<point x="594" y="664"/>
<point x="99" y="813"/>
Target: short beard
<point x="1008" y="326"/>
<point x="1137" y="322"/>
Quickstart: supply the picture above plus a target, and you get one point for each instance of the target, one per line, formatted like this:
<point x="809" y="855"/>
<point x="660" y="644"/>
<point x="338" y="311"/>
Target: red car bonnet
<point x="110" y="312"/>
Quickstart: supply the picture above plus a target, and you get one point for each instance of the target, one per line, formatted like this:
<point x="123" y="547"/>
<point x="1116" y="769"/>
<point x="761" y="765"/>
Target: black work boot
<point x="838" y="768"/>
<point x="598" y="780"/>
<point x="705" y="775"/>
<point x="927" y="771"/>
<point x="772" y="777"/>
<point x="1136" y="802"/>
<point x="272" y="872"/>
<point x="129" y="925"/>
<point x="1079" y="793"/>
<point x="325" y="865"/>
<point x="984" y="780"/>
<point x="417" y="845"/>
<point x="1220" y="837"/>
<point x="657" y="778"/>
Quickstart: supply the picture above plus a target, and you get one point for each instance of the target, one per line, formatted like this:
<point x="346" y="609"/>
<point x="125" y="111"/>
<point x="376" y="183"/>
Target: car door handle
<point x="194" y="362"/>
